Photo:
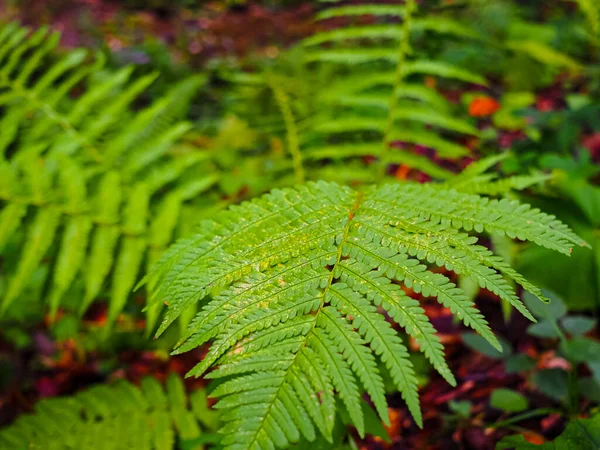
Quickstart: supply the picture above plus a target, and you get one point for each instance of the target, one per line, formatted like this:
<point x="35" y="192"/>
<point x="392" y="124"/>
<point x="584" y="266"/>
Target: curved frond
<point x="296" y="278"/>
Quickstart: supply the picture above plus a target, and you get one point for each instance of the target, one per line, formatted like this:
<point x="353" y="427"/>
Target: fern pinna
<point x="85" y="179"/>
<point x="297" y="282"/>
<point x="115" y="417"/>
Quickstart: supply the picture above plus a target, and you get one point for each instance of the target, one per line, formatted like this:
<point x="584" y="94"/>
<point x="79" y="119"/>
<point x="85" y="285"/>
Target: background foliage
<point x="178" y="109"/>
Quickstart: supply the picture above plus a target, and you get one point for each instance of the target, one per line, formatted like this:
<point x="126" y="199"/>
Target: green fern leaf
<point x="295" y="279"/>
<point x="71" y="161"/>
<point x="39" y="239"/>
<point x="112" y="416"/>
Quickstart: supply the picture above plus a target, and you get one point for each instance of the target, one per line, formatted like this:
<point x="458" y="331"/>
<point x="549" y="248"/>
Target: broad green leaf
<point x="508" y="400"/>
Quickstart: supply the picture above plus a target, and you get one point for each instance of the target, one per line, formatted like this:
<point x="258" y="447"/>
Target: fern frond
<point x="592" y="14"/>
<point x="357" y="105"/>
<point x="146" y="417"/>
<point x="71" y="162"/>
<point x="295" y="279"/>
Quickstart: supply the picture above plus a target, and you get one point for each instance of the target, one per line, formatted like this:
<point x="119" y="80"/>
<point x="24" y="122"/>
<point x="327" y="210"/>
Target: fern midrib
<point x="283" y="102"/>
<point x="315" y="313"/>
<point x="403" y="50"/>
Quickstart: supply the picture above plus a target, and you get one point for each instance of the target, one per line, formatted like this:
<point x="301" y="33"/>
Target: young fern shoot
<point x="291" y="282"/>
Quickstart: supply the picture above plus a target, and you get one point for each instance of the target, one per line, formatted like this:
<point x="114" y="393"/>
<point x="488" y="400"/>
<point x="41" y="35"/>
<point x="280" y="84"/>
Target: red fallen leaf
<point x="65" y="360"/>
<point x="476" y="438"/>
<point x="430" y="82"/>
<point x="369" y="159"/>
<point x="549" y="360"/>
<point x="544" y="104"/>
<point x="97" y="315"/>
<point x="533" y="437"/>
<point x="49" y="320"/>
<point x="530" y="351"/>
<point x="176" y="365"/>
<point x="138" y="370"/>
<point x="592" y="143"/>
<point x="457" y="436"/>
<point x="396" y="419"/>
<point x="483" y="106"/>
<point x="463" y="388"/>
<point x="447" y="339"/>
<point x="550" y="422"/>
<point x="402" y="172"/>
<point x="423" y="178"/>
<point x="472" y="143"/>
<point x="47" y="387"/>
<point x="506" y="139"/>
<point x="408" y="291"/>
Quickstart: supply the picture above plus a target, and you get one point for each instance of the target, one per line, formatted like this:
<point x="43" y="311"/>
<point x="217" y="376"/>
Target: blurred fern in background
<point x="91" y="185"/>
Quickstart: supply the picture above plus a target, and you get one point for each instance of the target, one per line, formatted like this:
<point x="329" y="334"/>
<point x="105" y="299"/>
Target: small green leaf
<point x="581" y="350"/>
<point x="580" y="434"/>
<point x="373" y="424"/>
<point x="552" y="382"/>
<point x="461" y="408"/>
<point x="508" y="400"/>
<point x="589" y="388"/>
<point x="543" y="329"/>
<point x="551" y="311"/>
<point x="577" y="101"/>
<point x="66" y="328"/>
<point x="479" y="344"/>
<point x="578" y="325"/>
<point x="518" y="363"/>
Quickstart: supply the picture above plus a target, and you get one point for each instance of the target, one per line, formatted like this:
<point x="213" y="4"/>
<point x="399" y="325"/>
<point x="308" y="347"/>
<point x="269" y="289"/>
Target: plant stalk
<point x="403" y="50"/>
<point x="291" y="131"/>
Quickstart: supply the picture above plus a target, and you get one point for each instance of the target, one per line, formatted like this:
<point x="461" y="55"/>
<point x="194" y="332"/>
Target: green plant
<point x="121" y="415"/>
<point x="566" y="386"/>
<point x="86" y="179"/>
<point x="524" y="47"/>
<point x="580" y="434"/>
<point x="356" y="91"/>
<point x="376" y="97"/>
<point x="575" y="200"/>
<point x="294" y="280"/>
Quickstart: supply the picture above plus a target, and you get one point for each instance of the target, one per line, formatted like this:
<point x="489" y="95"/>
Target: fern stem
<point x="339" y="255"/>
<point x="403" y="51"/>
<point x="291" y="131"/>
